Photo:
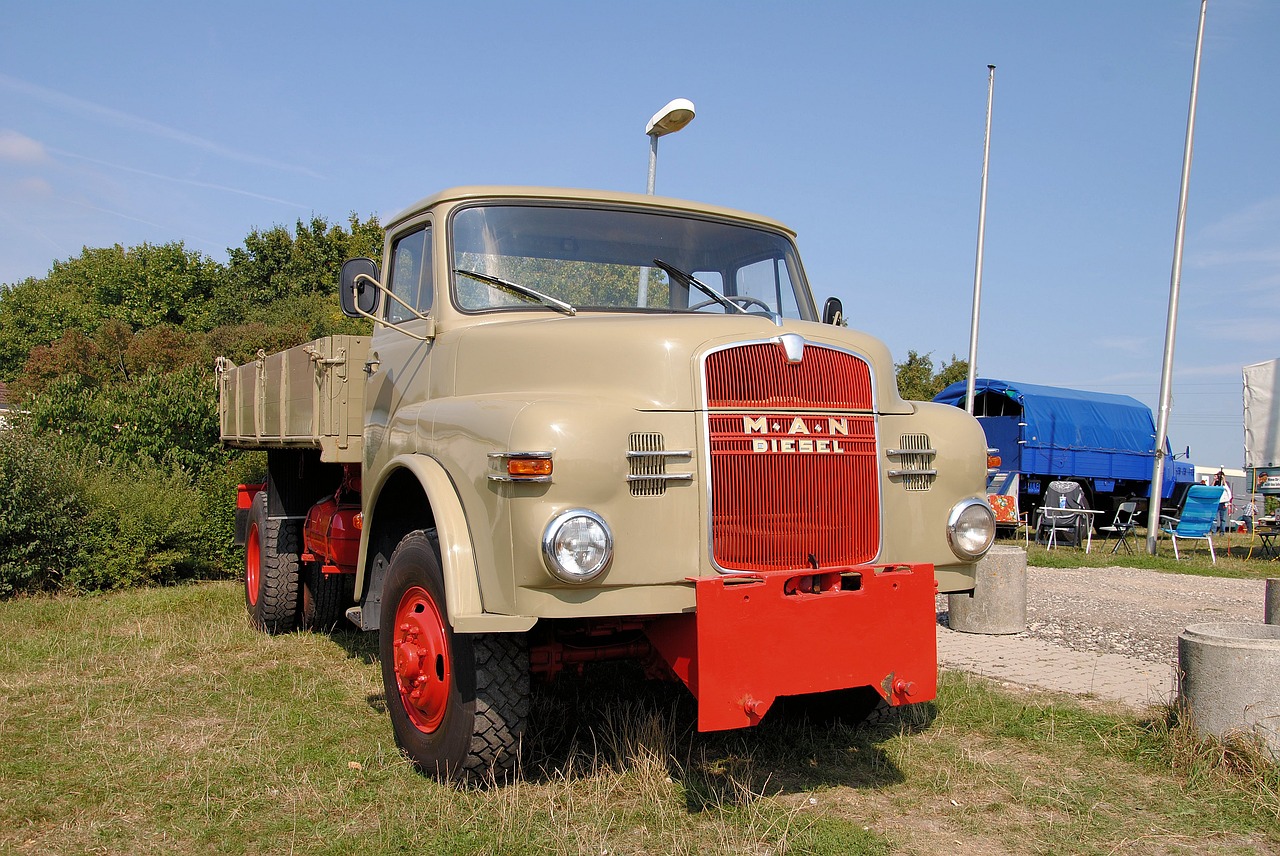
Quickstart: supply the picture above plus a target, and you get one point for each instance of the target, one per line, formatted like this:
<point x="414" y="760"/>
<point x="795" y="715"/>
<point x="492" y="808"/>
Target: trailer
<point x="1103" y="442"/>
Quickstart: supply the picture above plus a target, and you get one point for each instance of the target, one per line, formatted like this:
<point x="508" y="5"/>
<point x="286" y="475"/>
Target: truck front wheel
<point x="271" y="570"/>
<point x="458" y="702"/>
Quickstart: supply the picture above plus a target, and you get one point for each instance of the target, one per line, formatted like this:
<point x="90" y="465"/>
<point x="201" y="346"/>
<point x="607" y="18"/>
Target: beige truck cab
<point x="592" y="425"/>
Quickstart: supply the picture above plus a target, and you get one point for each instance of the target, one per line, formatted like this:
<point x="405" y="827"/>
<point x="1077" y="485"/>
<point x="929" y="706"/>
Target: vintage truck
<point x="1102" y="441"/>
<point x="588" y="426"/>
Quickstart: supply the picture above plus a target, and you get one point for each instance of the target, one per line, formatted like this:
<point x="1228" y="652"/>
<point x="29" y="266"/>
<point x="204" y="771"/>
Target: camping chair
<point x="1124" y="523"/>
<point x="1199" y="510"/>
<point x="1057" y="524"/>
<point x="1005" y="507"/>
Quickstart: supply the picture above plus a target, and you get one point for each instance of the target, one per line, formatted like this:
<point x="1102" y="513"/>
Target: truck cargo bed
<point x="310" y="396"/>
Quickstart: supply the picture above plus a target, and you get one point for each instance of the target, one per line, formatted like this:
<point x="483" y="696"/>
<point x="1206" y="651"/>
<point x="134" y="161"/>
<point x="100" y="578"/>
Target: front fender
<point x="457" y="557"/>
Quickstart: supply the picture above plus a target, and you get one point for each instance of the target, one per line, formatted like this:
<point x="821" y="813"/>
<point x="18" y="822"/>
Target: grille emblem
<point x="831" y="426"/>
<point x="792" y="346"/>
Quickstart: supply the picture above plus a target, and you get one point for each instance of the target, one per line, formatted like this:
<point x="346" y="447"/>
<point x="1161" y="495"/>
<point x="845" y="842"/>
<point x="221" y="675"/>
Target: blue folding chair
<point x="1197" y="517"/>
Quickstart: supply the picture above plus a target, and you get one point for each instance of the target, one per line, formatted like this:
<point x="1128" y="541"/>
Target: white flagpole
<point x="1171" y="325"/>
<point x="982" y="230"/>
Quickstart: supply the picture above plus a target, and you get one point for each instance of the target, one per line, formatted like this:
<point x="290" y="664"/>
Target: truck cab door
<point x="399" y="362"/>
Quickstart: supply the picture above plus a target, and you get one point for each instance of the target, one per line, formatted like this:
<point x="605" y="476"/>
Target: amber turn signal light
<point x="993" y="462"/>
<point x="528" y="467"/>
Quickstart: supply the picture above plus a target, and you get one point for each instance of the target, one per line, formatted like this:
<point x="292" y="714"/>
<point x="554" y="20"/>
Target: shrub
<point x="163" y="418"/>
<point x="83" y="518"/>
<point x="40" y="528"/>
<point x="145" y="525"/>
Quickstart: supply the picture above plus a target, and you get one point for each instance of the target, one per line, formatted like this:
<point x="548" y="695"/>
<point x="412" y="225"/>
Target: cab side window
<point x="410" y="275"/>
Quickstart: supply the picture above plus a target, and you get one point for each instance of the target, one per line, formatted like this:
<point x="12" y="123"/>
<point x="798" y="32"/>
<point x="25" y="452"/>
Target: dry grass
<point x="158" y="721"/>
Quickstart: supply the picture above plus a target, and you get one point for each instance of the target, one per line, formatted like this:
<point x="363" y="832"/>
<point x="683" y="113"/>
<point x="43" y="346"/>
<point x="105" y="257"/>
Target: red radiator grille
<point x="793" y="491"/>
<point x="760" y="376"/>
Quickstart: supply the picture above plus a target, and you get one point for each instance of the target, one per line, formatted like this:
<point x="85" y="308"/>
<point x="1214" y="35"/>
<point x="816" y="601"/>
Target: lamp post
<point x="671" y="118"/>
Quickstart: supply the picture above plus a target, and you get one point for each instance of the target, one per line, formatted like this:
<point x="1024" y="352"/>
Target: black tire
<point x="271" y="570"/>
<point x="325" y="598"/>
<point x="458" y="702"/>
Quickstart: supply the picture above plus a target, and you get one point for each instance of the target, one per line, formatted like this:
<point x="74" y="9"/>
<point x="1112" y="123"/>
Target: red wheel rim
<point x="423" y="670"/>
<point x="252" y="567"/>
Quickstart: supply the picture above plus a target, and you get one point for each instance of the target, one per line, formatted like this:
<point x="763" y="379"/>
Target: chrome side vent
<point x="915" y="462"/>
<point x="647" y="465"/>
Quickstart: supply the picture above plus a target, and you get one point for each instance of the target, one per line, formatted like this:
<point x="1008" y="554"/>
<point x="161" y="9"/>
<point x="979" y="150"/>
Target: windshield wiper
<point x="522" y="290"/>
<point x="688" y="279"/>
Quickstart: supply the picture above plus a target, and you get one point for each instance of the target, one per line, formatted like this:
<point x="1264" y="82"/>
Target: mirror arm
<point x="392" y="324"/>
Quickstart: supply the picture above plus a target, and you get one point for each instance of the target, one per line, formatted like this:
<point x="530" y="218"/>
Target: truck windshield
<point x="603" y="259"/>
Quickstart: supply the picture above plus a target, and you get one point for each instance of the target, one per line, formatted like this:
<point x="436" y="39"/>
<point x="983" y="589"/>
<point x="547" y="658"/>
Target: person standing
<point x="1224" y="504"/>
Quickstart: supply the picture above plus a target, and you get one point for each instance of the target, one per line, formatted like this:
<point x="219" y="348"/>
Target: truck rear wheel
<point x="271" y="570"/>
<point x="325" y="598"/>
<point x="458" y="702"/>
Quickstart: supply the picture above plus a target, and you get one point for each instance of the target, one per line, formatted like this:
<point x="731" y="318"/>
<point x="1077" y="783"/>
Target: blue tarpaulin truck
<point x="1103" y="442"/>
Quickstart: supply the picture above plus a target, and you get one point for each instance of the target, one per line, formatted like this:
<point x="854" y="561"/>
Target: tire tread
<point x="277" y="608"/>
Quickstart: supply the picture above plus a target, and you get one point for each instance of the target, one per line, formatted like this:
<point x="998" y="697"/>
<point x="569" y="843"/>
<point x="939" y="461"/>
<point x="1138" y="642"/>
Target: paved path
<point x="1021" y="660"/>
<point x="1108" y="633"/>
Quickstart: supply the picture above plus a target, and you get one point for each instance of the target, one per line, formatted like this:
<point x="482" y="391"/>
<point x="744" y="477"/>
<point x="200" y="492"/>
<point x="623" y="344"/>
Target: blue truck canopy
<point x="1061" y="418"/>
<point x="1105" y="440"/>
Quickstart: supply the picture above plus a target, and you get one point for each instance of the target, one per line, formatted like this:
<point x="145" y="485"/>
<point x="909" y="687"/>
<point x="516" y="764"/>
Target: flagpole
<point x="982" y="230"/>
<point x="1171" y="324"/>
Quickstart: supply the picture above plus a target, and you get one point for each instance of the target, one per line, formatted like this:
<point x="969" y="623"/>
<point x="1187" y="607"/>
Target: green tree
<point x="37" y="312"/>
<point x="276" y="265"/>
<point x="918" y="380"/>
<point x="140" y="287"/>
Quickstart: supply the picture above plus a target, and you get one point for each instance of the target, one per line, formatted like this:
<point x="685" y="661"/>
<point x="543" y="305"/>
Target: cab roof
<point x="455" y="195"/>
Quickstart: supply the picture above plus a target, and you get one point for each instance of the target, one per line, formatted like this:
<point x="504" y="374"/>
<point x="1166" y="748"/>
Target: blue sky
<point x="858" y="124"/>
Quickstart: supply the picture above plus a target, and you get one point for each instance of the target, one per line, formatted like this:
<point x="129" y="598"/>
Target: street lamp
<point x="671" y="118"/>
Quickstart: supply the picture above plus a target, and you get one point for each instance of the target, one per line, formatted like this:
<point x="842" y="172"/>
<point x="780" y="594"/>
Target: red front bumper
<point x="759" y="636"/>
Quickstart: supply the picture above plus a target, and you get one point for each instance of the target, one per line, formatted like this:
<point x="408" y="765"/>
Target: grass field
<point x="157" y="721"/>
<point x="1237" y="556"/>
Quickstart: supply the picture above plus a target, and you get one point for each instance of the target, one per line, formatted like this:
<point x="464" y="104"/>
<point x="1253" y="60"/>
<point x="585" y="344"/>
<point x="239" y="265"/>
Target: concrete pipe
<point x="1271" y="608"/>
<point x="998" y="603"/>
<point x="1230" y="680"/>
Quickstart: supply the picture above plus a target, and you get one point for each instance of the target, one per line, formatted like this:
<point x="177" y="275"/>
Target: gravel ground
<point x="1138" y="613"/>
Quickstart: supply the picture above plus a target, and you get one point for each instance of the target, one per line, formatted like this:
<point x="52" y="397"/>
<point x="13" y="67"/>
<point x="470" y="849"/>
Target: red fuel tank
<point x="332" y="535"/>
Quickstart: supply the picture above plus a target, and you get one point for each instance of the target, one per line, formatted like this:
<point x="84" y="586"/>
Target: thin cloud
<point x="35" y="187"/>
<point x="123" y="216"/>
<point x="146" y="126"/>
<point x="1124" y="344"/>
<point x="25" y="225"/>
<point x="1246" y="236"/>
<point x="20" y="148"/>
<point x="176" y="180"/>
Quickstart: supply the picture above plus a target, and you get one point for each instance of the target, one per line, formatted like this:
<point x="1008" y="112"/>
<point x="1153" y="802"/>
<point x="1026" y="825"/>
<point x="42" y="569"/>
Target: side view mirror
<point x="833" y="312"/>
<point x="358" y="288"/>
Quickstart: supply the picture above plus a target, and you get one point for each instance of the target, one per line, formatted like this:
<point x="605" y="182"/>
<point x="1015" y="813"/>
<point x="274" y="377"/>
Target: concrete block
<point x="1230" y="680"/>
<point x="998" y="603"/>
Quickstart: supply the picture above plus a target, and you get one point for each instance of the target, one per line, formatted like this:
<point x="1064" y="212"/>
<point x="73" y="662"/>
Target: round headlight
<point x="577" y="545"/>
<point x="971" y="529"/>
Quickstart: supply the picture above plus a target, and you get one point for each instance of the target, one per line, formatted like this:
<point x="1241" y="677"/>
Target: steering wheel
<point x="744" y="299"/>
